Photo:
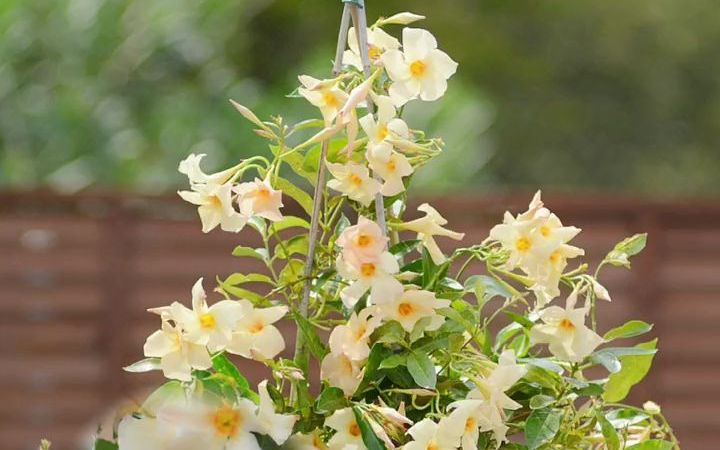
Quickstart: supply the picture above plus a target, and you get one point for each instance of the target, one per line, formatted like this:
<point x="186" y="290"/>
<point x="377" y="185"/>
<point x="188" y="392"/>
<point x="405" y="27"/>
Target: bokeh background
<point x="613" y="108"/>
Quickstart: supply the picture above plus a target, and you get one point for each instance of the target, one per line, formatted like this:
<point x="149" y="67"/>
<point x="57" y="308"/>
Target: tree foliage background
<point x="562" y="94"/>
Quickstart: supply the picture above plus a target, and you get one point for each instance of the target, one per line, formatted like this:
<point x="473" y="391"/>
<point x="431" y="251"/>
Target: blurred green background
<point x="568" y="95"/>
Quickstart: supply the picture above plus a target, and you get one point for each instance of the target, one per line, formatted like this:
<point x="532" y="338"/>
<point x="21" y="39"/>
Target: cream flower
<point x="309" y="441"/>
<point x="420" y="69"/>
<point x="565" y="332"/>
<point x="190" y="166"/>
<point x="429" y="226"/>
<point x="353" y="180"/>
<point x="411" y="307"/>
<point x="484" y="409"/>
<point x="537" y="242"/>
<point x="342" y="372"/>
<point x="391" y="170"/>
<point x="255" y="337"/>
<point x="205" y="325"/>
<point x="215" y="208"/>
<point x="141" y="433"/>
<point x="258" y="198"/>
<point x="387" y="126"/>
<point x="177" y="355"/>
<point x="362" y="242"/>
<point x="375" y="275"/>
<point x="427" y="434"/>
<point x="347" y="430"/>
<point x="277" y="426"/>
<point x="352" y="339"/>
<point x="324" y="94"/>
<point x="378" y="43"/>
<point x="212" y="423"/>
<point x="403" y="18"/>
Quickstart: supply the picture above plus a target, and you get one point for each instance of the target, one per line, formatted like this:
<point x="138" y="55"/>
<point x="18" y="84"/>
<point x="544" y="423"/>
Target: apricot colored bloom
<point x="211" y="326"/>
<point x="190" y="167"/>
<point x="258" y="198"/>
<point x="420" y="69"/>
<point x="214" y="202"/>
<point x="362" y="242"/>
<point x="178" y="356"/>
<point x="375" y="275"/>
<point x="352" y="339"/>
<point x="324" y="94"/>
<point x="427" y="434"/>
<point x="411" y="307"/>
<point x="255" y="336"/>
<point x="353" y="180"/>
<point x="565" y="332"/>
<point x="347" y="431"/>
<point x="429" y="226"/>
<point x="378" y="43"/>
<point x="277" y="426"/>
<point x="342" y="372"/>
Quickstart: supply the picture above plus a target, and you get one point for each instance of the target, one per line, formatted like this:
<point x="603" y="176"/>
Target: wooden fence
<point x="77" y="273"/>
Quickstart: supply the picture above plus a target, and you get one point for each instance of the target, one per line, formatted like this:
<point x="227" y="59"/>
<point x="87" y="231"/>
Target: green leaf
<point x="102" y="444"/>
<point x="422" y="369"/>
<point x="522" y="320"/>
<point x="610" y="357"/>
<point x="652" y="444"/>
<point x="224" y="366"/>
<point x="237" y="279"/>
<point x="238" y="292"/>
<point x="541" y="401"/>
<point x="541" y="427"/>
<point x="612" y="441"/>
<point x="297" y="245"/>
<point x="312" y="340"/>
<point x="257" y="253"/>
<point x="297" y="194"/>
<point x="629" y="329"/>
<point x="295" y="161"/>
<point x="390" y="332"/>
<point x="371" y="441"/>
<point x="634" y="369"/>
<point x="330" y="399"/>
<point x="404" y="247"/>
<point x="144" y="365"/>
<point x="292" y="271"/>
<point x="290" y="222"/>
<point x="311" y="161"/>
<point x="620" y="255"/>
<point x="373" y="374"/>
<point x="394" y="361"/>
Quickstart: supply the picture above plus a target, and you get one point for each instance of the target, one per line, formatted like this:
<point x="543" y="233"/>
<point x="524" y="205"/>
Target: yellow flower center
<point x="470" y="424"/>
<point x="364" y="240"/>
<point x="227" y="421"/>
<point x="545" y="230"/>
<point x="360" y="332"/>
<point x="215" y="201"/>
<point x="354" y="429"/>
<point x="263" y="192"/>
<point x="347" y="365"/>
<point x="405" y="309"/>
<point x="418" y="68"/>
<point x="382" y="132"/>
<point x="567" y="325"/>
<point x="523" y="244"/>
<point x="317" y="443"/>
<point x="256" y="327"/>
<point x="432" y="445"/>
<point x="374" y="51"/>
<point x="356" y="180"/>
<point x="367" y="269"/>
<point x="207" y="321"/>
<point x="555" y="257"/>
<point x="330" y="99"/>
<point x="391" y="166"/>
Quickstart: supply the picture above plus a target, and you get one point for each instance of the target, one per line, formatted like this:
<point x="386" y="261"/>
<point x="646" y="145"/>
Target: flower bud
<point x="403" y="18"/>
<point x="651" y="408"/>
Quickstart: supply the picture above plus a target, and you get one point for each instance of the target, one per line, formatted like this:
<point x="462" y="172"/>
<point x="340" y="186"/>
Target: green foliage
<point x="634" y="369"/>
<point x="541" y="427"/>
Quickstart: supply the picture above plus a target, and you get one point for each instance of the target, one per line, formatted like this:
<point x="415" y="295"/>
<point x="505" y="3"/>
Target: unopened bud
<point x="403" y="18"/>
<point x="651" y="408"/>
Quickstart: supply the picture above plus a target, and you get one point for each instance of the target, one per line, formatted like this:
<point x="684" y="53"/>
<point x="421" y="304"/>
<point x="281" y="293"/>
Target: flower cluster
<point x="411" y="354"/>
